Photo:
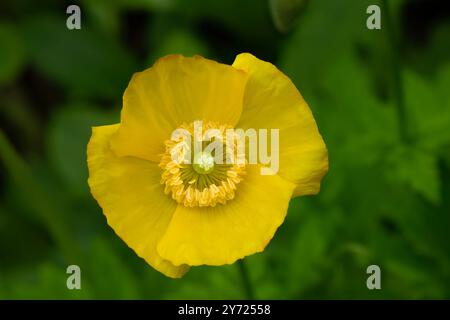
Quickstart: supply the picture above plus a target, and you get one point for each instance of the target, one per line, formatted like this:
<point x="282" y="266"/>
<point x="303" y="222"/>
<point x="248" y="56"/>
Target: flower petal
<point x="224" y="233"/>
<point x="174" y="91"/>
<point x="272" y="101"/>
<point x="132" y="199"/>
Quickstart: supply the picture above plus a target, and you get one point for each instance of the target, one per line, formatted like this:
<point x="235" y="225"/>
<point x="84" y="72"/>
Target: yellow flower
<point x="176" y="215"/>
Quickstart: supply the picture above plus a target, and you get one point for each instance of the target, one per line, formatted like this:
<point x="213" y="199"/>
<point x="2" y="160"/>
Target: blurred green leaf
<point x="179" y="42"/>
<point x="418" y="170"/>
<point x="104" y="13"/>
<point x="429" y="108"/>
<point x="286" y="12"/>
<point x="38" y="200"/>
<point x="208" y="283"/>
<point x="327" y="29"/>
<point x="107" y="271"/>
<point x="88" y="62"/>
<point x="16" y="254"/>
<point x="158" y="5"/>
<point x="44" y="281"/>
<point x="68" y="135"/>
<point x="12" y="53"/>
<point x="310" y="246"/>
<point x="406" y="272"/>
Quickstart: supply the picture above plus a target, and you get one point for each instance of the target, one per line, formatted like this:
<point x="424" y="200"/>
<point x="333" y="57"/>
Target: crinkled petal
<point x="224" y="233"/>
<point x="174" y="91"/>
<point x="132" y="199"/>
<point x="272" y="101"/>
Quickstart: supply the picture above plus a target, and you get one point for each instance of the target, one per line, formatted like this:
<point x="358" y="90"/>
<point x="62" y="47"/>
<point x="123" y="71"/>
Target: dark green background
<point x="380" y="98"/>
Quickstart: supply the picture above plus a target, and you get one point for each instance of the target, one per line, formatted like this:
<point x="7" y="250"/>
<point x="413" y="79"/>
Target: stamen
<point x="204" y="182"/>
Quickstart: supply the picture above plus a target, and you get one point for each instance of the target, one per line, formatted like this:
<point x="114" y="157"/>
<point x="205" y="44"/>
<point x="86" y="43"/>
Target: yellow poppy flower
<point x="177" y="215"/>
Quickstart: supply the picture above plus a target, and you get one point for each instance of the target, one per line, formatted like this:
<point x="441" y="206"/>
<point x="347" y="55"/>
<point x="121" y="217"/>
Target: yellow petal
<point x="132" y="199"/>
<point x="272" y="101"/>
<point x="224" y="233"/>
<point x="174" y="91"/>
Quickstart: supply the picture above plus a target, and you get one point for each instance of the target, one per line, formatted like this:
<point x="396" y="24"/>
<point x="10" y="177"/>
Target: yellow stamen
<point x="204" y="182"/>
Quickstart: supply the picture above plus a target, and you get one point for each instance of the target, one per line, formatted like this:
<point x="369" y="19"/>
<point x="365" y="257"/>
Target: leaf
<point x="12" y="53"/>
<point x="85" y="61"/>
<point x="310" y="245"/>
<point x="418" y="170"/>
<point x="109" y="277"/>
<point x="351" y="117"/>
<point x="428" y="109"/>
<point x="68" y="134"/>
<point x="291" y="264"/>
<point x="405" y="269"/>
<point x="38" y="200"/>
<point x="12" y="252"/>
<point x="179" y="42"/>
<point x="286" y="12"/>
<point x="328" y="29"/>
<point x="44" y="281"/>
<point x="157" y="5"/>
<point x="222" y="282"/>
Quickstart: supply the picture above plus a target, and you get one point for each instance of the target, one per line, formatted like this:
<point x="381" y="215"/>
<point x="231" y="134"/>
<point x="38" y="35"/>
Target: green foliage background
<point x="383" y="110"/>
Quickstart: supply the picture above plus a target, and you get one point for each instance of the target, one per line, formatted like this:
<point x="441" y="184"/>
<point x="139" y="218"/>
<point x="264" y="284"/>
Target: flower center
<point x="200" y="178"/>
<point x="203" y="162"/>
